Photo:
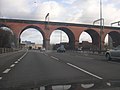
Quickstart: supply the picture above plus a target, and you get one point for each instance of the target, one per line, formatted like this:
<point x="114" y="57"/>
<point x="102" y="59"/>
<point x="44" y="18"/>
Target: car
<point x="113" y="53"/>
<point x="42" y="49"/>
<point x="61" y="49"/>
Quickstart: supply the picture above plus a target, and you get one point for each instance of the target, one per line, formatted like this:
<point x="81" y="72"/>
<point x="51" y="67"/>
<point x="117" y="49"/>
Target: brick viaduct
<point x="72" y="30"/>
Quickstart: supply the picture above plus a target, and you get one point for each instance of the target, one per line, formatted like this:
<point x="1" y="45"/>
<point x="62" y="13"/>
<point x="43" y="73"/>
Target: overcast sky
<point x="73" y="11"/>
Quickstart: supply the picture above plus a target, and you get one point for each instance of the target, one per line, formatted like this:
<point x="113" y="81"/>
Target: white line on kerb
<point x="84" y="71"/>
<point x="6" y="71"/>
<point x="0" y="78"/>
<point x="22" y="56"/>
<point x="12" y="65"/>
<point x="16" y="62"/>
<point x="54" y="57"/>
<point x="46" y="54"/>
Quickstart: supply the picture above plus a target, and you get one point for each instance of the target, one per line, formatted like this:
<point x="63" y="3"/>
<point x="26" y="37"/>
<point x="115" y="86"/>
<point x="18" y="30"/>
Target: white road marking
<point x="12" y="65"/>
<point x="23" y="56"/>
<point x="84" y="71"/>
<point x="87" y="85"/>
<point x="46" y="54"/>
<point x="6" y="71"/>
<point x="109" y="84"/>
<point x="16" y="62"/>
<point x="0" y="78"/>
<point x="54" y="58"/>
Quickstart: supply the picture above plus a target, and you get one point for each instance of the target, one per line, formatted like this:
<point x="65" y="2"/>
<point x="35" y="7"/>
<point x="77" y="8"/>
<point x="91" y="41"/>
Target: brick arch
<point x="94" y="35"/>
<point x="115" y="37"/>
<point x="3" y="25"/>
<point x="17" y="25"/>
<point x="7" y="41"/>
<point x="70" y="35"/>
<point x="37" y="28"/>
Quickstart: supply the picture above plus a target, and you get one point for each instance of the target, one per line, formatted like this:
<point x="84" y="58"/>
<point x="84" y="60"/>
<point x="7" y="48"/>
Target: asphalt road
<point x="34" y="68"/>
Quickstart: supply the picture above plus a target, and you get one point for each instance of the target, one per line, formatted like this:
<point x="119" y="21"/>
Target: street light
<point x="101" y="19"/>
<point x="101" y="25"/>
<point x="101" y="29"/>
<point x="115" y="23"/>
<point x="47" y="22"/>
<point x="109" y="39"/>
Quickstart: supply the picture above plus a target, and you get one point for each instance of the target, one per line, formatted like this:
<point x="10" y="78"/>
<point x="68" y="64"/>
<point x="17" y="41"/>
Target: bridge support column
<point x="76" y="44"/>
<point x="47" y="44"/>
<point x="17" y="42"/>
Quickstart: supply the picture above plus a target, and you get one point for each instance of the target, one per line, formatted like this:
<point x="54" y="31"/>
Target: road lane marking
<point x="54" y="58"/>
<point x="109" y="84"/>
<point x="0" y="78"/>
<point x="12" y="65"/>
<point x="16" y="62"/>
<point x="46" y="54"/>
<point x="84" y="71"/>
<point x="23" y="56"/>
<point x="6" y="71"/>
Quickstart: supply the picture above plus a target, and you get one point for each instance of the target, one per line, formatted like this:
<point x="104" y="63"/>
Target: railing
<point x="6" y="50"/>
<point x="92" y="51"/>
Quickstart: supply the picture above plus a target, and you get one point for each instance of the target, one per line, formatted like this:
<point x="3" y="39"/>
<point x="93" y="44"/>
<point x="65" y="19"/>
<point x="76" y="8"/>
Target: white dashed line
<point x="84" y="71"/>
<point x="12" y="65"/>
<point x="16" y="62"/>
<point x="22" y="56"/>
<point x="0" y="78"/>
<point x="109" y="84"/>
<point x="46" y="54"/>
<point x="6" y="71"/>
<point x="54" y="58"/>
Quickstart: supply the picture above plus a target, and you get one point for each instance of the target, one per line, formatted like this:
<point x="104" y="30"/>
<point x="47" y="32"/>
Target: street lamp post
<point x="118" y="22"/>
<point x="101" y="29"/>
<point x="47" y="22"/>
<point x="101" y="26"/>
<point x="109" y="39"/>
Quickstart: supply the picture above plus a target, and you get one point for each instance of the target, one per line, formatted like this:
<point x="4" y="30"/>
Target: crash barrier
<point x="6" y="50"/>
